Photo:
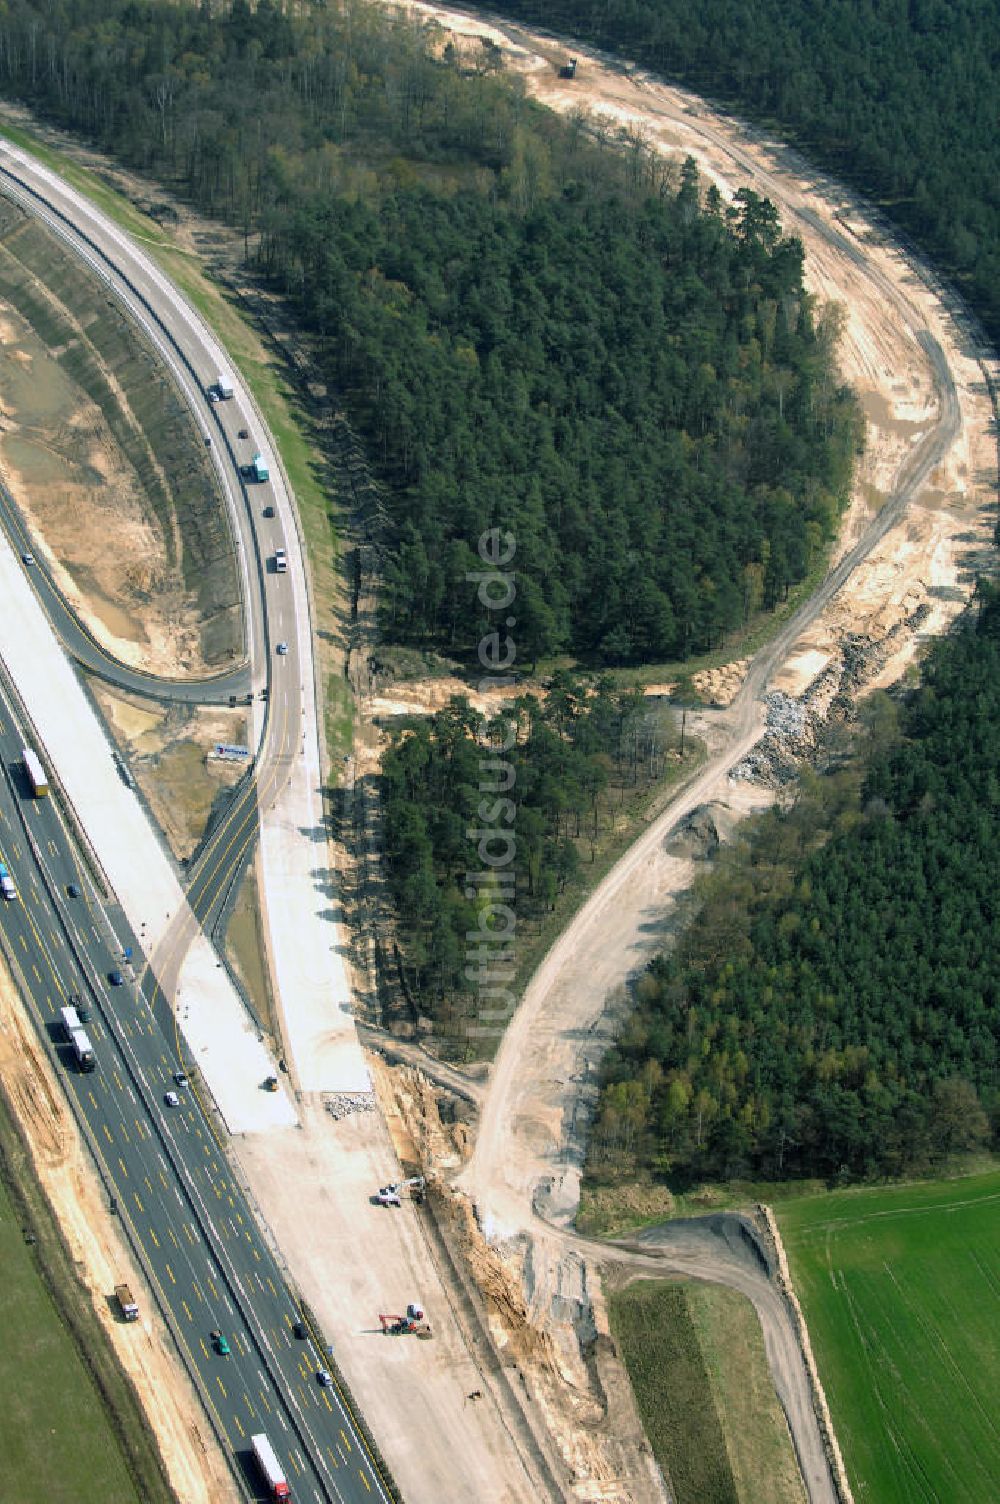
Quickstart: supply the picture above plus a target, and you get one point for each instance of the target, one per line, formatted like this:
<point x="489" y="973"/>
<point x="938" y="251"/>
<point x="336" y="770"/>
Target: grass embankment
<point x="901" y="1292"/>
<point x="71" y="1428"/>
<point x="628" y="1204"/>
<point x="695" y="1356"/>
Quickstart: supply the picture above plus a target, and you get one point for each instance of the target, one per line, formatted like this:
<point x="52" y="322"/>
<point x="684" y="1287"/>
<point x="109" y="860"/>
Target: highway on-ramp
<point x="233" y="686"/>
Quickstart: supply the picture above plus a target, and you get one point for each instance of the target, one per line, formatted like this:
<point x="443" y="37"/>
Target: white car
<point x="27" y="558"/>
<point x="172" y="1099"/>
<point x="325" y="1378"/>
<point x="282" y="649"/>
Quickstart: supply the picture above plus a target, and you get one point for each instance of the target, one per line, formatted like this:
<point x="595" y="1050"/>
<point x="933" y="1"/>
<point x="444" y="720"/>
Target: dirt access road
<point x="921" y="494"/>
<point x="920" y="505"/>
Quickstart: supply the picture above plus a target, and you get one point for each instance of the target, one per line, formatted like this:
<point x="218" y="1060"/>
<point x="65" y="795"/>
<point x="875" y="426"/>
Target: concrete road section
<point x="138" y="870"/>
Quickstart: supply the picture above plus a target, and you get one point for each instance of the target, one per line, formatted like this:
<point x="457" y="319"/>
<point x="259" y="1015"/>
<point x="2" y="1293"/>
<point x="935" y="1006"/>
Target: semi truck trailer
<point x="35" y="771"/>
<point x="70" y="1021"/>
<point x="83" y="1050"/>
<point x="269" y="1465"/>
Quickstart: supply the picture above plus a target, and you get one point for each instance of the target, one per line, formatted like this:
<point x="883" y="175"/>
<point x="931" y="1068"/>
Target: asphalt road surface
<point x="187" y="1219"/>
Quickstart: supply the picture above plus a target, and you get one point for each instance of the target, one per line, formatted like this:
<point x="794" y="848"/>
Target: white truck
<point x="83" y="1050"/>
<point x="70" y="1021"/>
<point x="269" y="1465"/>
<point x="36" y="773"/>
<point x="280" y="561"/>
<point x="222" y="388"/>
<point x="7" y="887"/>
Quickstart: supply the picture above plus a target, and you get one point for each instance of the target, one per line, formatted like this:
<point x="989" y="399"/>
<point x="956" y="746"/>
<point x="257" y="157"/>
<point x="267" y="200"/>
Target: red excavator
<point x="410" y="1325"/>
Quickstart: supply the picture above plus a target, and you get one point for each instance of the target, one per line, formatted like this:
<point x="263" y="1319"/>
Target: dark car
<point x="115" y="978"/>
<point x="76" y="1001"/>
<point x="299" y="1328"/>
<point x="72" y="891"/>
<point x="268" y="511"/>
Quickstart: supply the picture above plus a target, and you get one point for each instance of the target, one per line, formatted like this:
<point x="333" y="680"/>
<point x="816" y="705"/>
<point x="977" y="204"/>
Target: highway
<point x="164" y="1168"/>
<point x="186" y="1218"/>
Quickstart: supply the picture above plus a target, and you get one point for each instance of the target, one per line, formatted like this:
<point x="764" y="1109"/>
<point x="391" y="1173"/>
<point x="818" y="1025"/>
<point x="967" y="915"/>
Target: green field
<point x="901" y="1292"/>
<point x="55" y="1440"/>
<point x="695" y="1357"/>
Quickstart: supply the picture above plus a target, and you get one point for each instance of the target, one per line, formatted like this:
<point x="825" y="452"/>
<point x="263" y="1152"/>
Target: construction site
<point x="463" y="1185"/>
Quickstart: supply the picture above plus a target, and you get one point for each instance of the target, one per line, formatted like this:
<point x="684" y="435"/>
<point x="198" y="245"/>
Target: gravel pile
<point x="789" y="737"/>
<point x="342" y="1104"/>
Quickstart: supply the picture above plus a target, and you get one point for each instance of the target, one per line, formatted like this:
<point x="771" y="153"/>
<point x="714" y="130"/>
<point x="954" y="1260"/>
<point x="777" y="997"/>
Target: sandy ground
<point x="169" y="751"/>
<point x="77" y="492"/>
<point x="69" y="1180"/>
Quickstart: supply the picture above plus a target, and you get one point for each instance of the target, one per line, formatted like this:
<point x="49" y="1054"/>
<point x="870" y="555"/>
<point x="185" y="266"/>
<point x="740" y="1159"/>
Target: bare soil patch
<point x="167" y="749"/>
<point x="104" y="463"/>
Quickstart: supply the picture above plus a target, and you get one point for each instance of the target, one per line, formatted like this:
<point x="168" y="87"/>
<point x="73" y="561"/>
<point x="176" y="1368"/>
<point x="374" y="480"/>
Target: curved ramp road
<point x="218" y="689"/>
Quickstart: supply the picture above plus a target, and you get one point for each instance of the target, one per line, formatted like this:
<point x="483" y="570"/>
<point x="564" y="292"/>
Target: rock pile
<point x="342" y="1104"/>
<point x="790" y="736"/>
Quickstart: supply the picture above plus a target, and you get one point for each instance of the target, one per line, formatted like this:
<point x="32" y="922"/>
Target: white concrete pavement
<point x="219" y="1033"/>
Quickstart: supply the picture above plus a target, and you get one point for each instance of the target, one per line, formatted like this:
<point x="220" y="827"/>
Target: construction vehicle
<point x="410" y="1325"/>
<point x="7" y="887"/>
<point x="36" y="773"/>
<point x="269" y="1465"/>
<point x="389" y="1195"/>
<point x="126" y="1304"/>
